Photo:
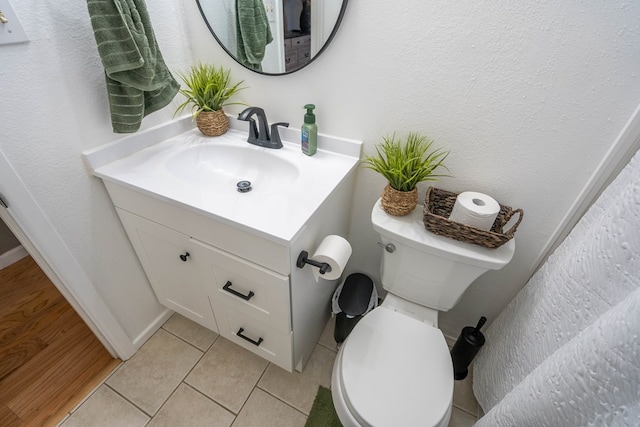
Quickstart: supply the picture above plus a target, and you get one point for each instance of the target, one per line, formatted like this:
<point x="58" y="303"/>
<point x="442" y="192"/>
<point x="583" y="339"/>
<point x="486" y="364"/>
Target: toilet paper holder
<point x="303" y="259"/>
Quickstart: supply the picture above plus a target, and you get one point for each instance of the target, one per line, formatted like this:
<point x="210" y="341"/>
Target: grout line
<point x="191" y="344"/>
<point x="252" y="390"/>
<point x="465" y="411"/>
<point x="92" y="392"/>
<point x="129" y="401"/>
<point x="327" y="347"/>
<point x="212" y="400"/>
<point x="280" y="400"/>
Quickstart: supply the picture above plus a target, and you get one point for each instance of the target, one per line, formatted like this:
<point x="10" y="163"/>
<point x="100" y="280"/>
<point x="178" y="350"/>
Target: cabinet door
<point x="171" y="264"/>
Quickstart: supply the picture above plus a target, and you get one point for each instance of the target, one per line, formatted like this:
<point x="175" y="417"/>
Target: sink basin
<point x="201" y="174"/>
<point x="223" y="166"/>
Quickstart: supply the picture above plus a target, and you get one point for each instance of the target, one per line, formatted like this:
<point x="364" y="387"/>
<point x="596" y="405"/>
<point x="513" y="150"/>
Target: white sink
<point x="201" y="173"/>
<point x="224" y="163"/>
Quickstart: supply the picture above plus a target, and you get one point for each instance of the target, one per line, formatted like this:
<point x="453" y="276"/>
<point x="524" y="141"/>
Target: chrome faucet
<point x="259" y="134"/>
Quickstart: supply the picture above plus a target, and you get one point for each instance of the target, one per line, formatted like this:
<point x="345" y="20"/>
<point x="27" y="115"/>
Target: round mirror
<point x="273" y="36"/>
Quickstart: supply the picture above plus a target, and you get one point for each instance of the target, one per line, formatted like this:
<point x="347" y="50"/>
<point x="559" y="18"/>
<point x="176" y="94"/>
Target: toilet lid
<point x="396" y="371"/>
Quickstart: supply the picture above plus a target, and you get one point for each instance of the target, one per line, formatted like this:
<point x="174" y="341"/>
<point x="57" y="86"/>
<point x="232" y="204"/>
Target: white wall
<point x="528" y="98"/>
<point x="53" y="106"/>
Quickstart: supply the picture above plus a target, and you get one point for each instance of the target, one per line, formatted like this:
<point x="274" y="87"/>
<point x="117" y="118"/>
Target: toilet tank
<point x="427" y="269"/>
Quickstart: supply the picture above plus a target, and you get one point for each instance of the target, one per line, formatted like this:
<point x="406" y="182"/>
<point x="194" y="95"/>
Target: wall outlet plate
<point x="270" y="8"/>
<point x="10" y="31"/>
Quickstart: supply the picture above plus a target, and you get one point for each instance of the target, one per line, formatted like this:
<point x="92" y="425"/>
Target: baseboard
<point x="152" y="328"/>
<point x="12" y="255"/>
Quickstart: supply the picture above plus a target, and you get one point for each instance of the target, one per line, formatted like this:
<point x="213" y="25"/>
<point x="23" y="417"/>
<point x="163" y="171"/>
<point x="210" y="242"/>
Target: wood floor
<point x="49" y="358"/>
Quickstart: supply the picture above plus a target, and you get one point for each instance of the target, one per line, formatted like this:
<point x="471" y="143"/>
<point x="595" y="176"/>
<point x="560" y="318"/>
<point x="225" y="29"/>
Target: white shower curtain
<point x="566" y="351"/>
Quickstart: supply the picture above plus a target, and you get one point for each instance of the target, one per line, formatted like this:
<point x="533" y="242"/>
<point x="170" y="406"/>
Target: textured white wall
<point x="53" y="106"/>
<point x="527" y="97"/>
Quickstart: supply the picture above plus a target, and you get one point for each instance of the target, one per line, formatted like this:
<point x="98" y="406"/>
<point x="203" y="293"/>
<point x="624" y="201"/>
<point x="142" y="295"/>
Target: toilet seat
<point x="396" y="371"/>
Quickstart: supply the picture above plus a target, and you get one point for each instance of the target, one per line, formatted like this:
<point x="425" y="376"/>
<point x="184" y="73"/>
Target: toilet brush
<point x="465" y="349"/>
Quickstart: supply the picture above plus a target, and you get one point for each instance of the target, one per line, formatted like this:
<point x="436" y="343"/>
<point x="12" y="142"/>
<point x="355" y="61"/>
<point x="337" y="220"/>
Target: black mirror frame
<point x="324" y="47"/>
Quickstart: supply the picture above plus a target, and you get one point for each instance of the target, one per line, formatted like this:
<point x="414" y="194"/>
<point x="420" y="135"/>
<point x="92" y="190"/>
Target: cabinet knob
<point x="184" y="256"/>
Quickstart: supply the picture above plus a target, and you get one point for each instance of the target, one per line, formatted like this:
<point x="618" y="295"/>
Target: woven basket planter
<point x="438" y="205"/>
<point x="399" y="203"/>
<point x="212" y="123"/>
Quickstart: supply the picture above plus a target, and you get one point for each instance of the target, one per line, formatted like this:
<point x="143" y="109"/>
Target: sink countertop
<point x="168" y="170"/>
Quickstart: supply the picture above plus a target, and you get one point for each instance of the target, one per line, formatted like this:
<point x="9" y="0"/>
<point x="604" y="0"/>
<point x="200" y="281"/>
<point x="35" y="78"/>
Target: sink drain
<point x="244" y="186"/>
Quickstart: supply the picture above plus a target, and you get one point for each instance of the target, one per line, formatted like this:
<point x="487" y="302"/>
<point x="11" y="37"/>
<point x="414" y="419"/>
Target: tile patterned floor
<point x="186" y="375"/>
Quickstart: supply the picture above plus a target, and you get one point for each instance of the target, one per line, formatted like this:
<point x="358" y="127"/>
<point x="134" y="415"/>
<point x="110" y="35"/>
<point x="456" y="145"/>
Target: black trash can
<point x="354" y="298"/>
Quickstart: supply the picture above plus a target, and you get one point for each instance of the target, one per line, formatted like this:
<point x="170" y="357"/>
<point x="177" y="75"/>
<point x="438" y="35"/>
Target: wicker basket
<point x="437" y="208"/>
<point x="399" y="203"/>
<point x="212" y="123"/>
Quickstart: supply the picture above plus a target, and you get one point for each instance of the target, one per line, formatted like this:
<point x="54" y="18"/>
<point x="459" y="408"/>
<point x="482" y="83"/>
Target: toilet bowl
<point x="394" y="369"/>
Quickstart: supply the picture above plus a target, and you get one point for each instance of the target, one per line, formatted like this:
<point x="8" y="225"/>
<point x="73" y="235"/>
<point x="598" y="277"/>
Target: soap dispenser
<point x="309" y="132"/>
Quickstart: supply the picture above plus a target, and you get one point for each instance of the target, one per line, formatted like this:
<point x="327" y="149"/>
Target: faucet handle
<point x="275" y="134"/>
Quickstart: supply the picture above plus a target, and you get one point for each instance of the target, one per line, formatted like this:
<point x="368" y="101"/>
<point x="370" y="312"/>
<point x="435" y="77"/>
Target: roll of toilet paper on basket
<point x="475" y="209"/>
<point x="335" y="251"/>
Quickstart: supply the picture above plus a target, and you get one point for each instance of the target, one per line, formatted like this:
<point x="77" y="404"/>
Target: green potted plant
<point x="405" y="163"/>
<point x="208" y="90"/>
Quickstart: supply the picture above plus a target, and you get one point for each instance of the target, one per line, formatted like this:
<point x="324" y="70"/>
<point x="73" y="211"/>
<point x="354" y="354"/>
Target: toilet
<point x="394" y="368"/>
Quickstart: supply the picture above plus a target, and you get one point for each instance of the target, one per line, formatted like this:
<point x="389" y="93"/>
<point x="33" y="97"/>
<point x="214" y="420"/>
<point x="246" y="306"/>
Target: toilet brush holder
<point x="465" y="349"/>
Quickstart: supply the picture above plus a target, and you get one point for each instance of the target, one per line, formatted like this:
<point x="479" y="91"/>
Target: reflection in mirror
<point x="273" y="36"/>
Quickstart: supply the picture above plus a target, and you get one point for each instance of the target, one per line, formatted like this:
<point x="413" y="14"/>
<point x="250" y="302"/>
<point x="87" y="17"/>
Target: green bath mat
<point x="322" y="413"/>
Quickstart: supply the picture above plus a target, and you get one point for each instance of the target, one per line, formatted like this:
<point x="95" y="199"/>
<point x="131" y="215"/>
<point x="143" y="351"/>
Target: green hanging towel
<point x="138" y="80"/>
<point x="253" y="32"/>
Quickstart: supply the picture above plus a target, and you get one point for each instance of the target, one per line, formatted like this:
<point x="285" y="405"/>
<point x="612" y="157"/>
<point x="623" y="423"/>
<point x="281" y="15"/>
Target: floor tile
<point x="463" y="397"/>
<point x="227" y="373"/>
<point x="460" y="418"/>
<point x="264" y="410"/>
<point x="190" y="331"/>
<point x="106" y="408"/>
<point x="298" y="389"/>
<point x="187" y="407"/>
<point x="326" y="339"/>
<point x="154" y="372"/>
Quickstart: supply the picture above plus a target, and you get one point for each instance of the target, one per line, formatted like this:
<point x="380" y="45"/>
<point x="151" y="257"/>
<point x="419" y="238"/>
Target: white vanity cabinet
<point x="243" y="301"/>
<point x="228" y="259"/>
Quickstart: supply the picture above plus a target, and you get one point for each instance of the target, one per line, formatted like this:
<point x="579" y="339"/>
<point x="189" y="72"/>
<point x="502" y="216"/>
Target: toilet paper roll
<point x="335" y="251"/>
<point x="475" y="209"/>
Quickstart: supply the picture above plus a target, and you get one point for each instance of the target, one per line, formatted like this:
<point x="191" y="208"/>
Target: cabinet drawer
<point x="291" y="59"/>
<point x="272" y="255"/>
<point x="246" y="287"/>
<point x="301" y="41"/>
<point x="304" y="55"/>
<point x="273" y="345"/>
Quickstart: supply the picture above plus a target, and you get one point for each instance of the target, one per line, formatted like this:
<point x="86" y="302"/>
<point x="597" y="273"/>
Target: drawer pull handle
<point x="184" y="256"/>
<point x="227" y="287"/>
<point x="246" y="338"/>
